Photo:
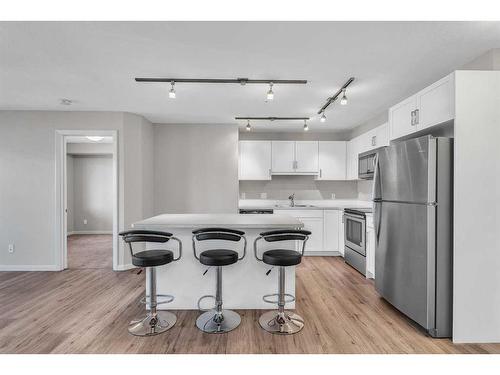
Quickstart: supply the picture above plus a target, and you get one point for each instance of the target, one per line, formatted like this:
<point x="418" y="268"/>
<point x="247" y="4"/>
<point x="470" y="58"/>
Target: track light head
<point x="323" y="117"/>
<point x="171" y="93"/>
<point x="270" y="93"/>
<point x="343" y="100"/>
<point x="248" y="127"/>
<point x="306" y="128"/>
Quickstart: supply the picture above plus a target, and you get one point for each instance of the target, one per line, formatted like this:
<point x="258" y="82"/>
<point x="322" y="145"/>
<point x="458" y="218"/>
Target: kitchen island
<point x="244" y="283"/>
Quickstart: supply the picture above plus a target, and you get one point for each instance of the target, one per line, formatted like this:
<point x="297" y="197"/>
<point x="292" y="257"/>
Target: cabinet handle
<point x="416" y="116"/>
<point x="270" y="175"/>
<point x="374" y="140"/>
<point x="320" y="173"/>
<point x="412" y="117"/>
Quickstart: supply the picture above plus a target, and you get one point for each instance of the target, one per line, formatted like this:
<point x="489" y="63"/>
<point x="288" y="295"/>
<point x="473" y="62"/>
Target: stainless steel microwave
<point x="366" y="164"/>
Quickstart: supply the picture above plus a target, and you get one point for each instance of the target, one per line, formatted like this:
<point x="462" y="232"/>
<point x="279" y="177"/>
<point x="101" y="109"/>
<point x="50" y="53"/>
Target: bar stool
<point x="218" y="320"/>
<point x="281" y="321"/>
<point x="155" y="322"/>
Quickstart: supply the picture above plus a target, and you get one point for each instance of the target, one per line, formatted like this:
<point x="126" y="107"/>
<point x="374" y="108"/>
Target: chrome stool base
<point x="284" y="323"/>
<point x="218" y="322"/>
<point x="149" y="326"/>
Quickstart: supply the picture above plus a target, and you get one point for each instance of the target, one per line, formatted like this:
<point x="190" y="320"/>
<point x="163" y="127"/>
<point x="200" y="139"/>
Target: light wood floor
<point x="88" y="310"/>
<point x="90" y="251"/>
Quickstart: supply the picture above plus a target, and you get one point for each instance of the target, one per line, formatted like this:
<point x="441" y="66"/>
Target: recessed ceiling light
<point x="66" y="101"/>
<point x="95" y="138"/>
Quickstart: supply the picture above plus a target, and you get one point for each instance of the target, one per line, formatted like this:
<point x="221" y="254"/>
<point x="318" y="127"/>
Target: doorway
<point x="87" y="203"/>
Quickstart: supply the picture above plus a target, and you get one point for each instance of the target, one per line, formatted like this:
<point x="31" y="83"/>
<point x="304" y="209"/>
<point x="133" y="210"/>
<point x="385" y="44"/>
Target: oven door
<point x="355" y="233"/>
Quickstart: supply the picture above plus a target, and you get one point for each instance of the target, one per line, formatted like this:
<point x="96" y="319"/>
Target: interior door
<point x="255" y="160"/>
<point x="403" y="268"/>
<point x="283" y="156"/>
<point x="306" y="157"/>
<point x="403" y="171"/>
<point x="400" y="118"/>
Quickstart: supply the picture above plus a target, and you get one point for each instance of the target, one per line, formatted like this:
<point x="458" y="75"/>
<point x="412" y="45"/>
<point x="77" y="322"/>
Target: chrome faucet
<point x="292" y="200"/>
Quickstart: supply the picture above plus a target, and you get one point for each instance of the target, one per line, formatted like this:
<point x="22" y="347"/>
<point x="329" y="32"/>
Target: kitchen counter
<point x="327" y="204"/>
<point x="244" y="283"/>
<point x="235" y="221"/>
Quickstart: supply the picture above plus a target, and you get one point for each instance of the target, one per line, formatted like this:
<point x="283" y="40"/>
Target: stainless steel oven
<point x="355" y="238"/>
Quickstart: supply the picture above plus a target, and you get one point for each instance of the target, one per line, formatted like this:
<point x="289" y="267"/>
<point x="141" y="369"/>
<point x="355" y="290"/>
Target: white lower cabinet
<point x="327" y="230"/>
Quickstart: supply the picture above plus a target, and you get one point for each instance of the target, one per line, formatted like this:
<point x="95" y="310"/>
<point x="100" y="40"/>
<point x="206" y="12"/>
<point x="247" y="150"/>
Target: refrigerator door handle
<point x="376" y="199"/>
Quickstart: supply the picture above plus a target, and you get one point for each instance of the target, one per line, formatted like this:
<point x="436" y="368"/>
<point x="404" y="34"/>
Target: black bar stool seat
<point x="152" y="258"/>
<point x="281" y="257"/>
<point x="218" y="257"/>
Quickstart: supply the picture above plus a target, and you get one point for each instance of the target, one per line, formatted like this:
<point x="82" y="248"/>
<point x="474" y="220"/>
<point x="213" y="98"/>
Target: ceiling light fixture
<point x="323" y="117"/>
<point x="342" y="90"/>
<point x="241" y="81"/>
<point x="66" y="101"/>
<point x="248" y="127"/>
<point x="343" y="100"/>
<point x="306" y="128"/>
<point x="171" y="93"/>
<point x="270" y="93"/>
<point x="94" y="138"/>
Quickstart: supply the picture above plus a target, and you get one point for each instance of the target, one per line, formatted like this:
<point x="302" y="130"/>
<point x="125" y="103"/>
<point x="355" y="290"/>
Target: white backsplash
<point x="304" y="187"/>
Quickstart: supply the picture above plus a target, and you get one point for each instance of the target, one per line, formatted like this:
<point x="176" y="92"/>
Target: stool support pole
<point x="151" y="275"/>
<point x="281" y="290"/>
<point x="218" y="293"/>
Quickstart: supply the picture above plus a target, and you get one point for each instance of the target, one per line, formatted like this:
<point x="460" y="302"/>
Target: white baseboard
<point x="90" y="232"/>
<point x="322" y="253"/>
<point x="28" y="267"/>
<point x="125" y="267"/>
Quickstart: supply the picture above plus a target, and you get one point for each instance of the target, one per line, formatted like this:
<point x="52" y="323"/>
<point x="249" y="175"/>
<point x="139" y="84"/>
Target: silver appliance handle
<point x="377" y="208"/>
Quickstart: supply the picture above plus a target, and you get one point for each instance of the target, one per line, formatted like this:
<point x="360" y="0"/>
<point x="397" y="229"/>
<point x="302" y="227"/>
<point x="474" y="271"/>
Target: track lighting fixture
<point x="323" y="117"/>
<point x="306" y="128"/>
<point x="343" y="100"/>
<point x="270" y="93"/>
<point x="248" y="127"/>
<point x="171" y="93"/>
<point x="241" y="81"/>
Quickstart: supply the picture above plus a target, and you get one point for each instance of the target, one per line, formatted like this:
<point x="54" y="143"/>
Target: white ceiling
<point x="94" y="64"/>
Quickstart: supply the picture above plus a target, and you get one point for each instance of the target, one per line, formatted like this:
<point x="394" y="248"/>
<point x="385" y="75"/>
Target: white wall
<point x="476" y="304"/>
<point x="27" y="179"/>
<point x="195" y="168"/>
<point x="92" y="193"/>
<point x="490" y="60"/>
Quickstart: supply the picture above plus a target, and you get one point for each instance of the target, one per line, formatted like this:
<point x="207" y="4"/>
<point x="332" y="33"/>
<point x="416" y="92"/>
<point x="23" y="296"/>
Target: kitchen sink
<point x="296" y="206"/>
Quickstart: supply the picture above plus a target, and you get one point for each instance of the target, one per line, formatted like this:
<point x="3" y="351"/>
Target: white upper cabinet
<point x="255" y="160"/>
<point x="431" y="106"/>
<point x="402" y="118"/>
<point x="295" y="157"/>
<point x="332" y="160"/>
<point x="306" y="157"/>
<point x="283" y="156"/>
<point x="436" y="103"/>
<point x="352" y="158"/>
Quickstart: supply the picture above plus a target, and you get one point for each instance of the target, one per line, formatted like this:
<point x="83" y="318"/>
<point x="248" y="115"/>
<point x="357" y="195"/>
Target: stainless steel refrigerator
<point x="413" y="200"/>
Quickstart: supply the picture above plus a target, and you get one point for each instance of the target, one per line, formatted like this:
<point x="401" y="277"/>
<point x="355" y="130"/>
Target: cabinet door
<point x="331" y="230"/>
<point x="306" y="157"/>
<point x="255" y="160"/>
<point x="341" y="232"/>
<point x="283" y="156"/>
<point x="436" y="103"/>
<point x="332" y="160"/>
<point x="352" y="159"/>
<point x="400" y="118"/>
<point x="315" y="225"/>
<point x="382" y="135"/>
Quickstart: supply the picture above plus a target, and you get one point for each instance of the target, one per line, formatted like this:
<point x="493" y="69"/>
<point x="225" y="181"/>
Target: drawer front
<point x="300" y="213"/>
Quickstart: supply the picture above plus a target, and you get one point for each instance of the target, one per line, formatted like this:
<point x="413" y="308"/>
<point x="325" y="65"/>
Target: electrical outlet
<point x="263" y="195"/>
<point x="84" y="221"/>
<point x="333" y="195"/>
<point x="243" y="195"/>
<point x="11" y="248"/>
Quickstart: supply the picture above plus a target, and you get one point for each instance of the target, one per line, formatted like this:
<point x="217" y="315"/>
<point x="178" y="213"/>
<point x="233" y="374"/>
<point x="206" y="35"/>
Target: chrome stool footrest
<point x="201" y="299"/>
<point x="267" y="298"/>
<point x="167" y="298"/>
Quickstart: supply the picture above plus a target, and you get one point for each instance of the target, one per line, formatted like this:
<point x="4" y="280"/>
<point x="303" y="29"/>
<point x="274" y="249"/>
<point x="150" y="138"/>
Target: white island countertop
<point x="236" y="221"/>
